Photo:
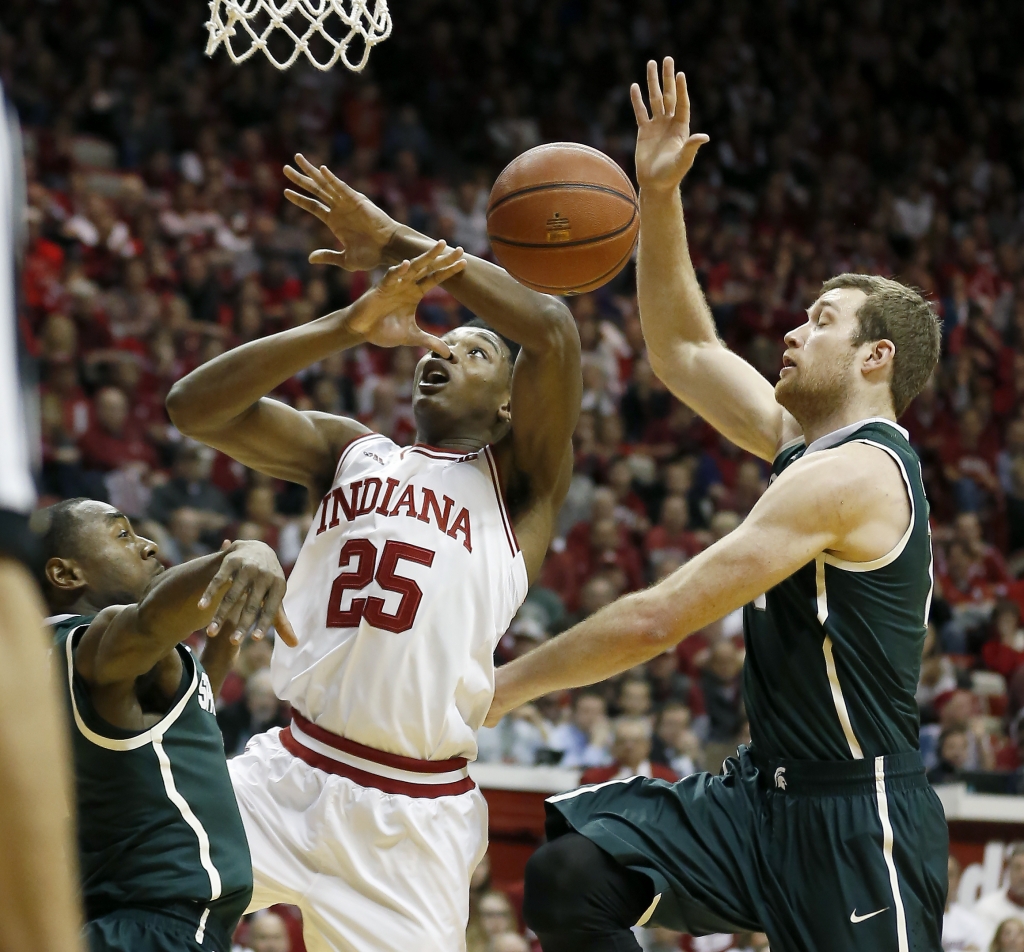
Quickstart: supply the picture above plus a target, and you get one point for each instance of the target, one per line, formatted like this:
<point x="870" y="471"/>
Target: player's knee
<point x="573" y="885"/>
<point x="553" y="876"/>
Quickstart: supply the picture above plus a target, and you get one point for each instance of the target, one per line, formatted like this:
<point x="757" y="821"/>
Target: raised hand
<point x="386" y="315"/>
<point x="248" y="589"/>
<point x="665" y="149"/>
<point x="361" y="227"/>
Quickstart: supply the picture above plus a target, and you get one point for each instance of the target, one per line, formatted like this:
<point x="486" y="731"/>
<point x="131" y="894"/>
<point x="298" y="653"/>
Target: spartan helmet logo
<point x="780" y="778"/>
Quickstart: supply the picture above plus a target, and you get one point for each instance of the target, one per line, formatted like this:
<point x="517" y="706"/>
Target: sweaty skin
<point x="462" y="395"/>
<point x="128" y="655"/>
<point x="849" y="501"/>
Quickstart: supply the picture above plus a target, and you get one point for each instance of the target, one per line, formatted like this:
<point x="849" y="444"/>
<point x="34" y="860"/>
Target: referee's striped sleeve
<point x="17" y="491"/>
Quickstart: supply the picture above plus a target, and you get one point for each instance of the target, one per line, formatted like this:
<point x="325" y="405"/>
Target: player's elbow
<point x="654" y="622"/>
<point x="561" y="327"/>
<point x="184" y="408"/>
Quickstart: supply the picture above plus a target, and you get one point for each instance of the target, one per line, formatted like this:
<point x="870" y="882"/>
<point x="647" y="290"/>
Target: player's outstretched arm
<point x="683" y="344"/>
<point x="227" y="592"/>
<point x="848" y="502"/>
<point x="547" y="382"/>
<point x="223" y="403"/>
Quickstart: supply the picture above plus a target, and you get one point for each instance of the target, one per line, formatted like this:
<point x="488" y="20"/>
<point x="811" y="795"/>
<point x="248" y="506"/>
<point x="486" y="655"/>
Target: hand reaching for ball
<point x="360" y="226"/>
<point x="665" y="149"/>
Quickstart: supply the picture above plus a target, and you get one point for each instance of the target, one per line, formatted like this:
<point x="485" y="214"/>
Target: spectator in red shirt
<point x="630" y="510"/>
<point x="672" y="537"/>
<point x="62" y="382"/>
<point x="967" y="530"/>
<point x="609" y="549"/>
<point x="1002" y="652"/>
<point x="112" y="442"/>
<point x="963" y="579"/>
<point x="631" y="748"/>
<point x="969" y="458"/>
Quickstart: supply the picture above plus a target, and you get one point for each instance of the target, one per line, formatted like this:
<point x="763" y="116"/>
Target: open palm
<point x="360" y="226"/>
<point x="665" y="149"/>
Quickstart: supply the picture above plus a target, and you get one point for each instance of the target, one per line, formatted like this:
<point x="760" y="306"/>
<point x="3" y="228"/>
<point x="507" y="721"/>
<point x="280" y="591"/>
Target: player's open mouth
<point x="435" y="375"/>
<point x="787" y="364"/>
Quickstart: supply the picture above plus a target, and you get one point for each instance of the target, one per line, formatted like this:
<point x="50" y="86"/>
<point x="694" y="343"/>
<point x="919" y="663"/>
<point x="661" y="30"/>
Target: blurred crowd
<point x="886" y="138"/>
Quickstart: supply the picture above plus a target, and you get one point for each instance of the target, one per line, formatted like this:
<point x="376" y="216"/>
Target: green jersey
<point x="157" y="819"/>
<point x="834" y="651"/>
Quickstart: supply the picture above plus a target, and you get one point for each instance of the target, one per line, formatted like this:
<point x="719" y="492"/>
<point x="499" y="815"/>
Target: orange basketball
<point x="563" y="218"/>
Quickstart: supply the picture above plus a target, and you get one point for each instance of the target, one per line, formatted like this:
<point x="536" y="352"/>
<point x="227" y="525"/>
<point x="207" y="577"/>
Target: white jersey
<point x="409" y="575"/>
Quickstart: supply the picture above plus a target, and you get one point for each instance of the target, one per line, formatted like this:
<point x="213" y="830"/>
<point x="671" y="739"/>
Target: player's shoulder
<point x="848" y="481"/>
<point x="63" y="625"/>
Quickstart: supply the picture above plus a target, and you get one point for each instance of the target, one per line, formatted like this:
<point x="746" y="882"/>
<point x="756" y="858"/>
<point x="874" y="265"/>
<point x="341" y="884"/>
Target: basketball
<point x="563" y="218"/>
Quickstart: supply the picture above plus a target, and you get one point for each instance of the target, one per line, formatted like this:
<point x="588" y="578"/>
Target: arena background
<point x="884" y="138"/>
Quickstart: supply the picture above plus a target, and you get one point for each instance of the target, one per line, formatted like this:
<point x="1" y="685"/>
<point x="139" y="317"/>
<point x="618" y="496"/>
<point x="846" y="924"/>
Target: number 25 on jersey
<point x="359" y="558"/>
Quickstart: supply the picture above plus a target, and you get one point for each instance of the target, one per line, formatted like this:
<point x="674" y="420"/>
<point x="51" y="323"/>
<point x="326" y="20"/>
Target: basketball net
<point x="300" y="21"/>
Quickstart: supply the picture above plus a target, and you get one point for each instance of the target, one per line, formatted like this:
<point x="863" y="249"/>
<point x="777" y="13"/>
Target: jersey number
<point x="360" y="557"/>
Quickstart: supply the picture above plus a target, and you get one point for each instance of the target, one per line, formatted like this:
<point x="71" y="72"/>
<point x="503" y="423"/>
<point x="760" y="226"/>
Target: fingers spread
<point x="304" y="181"/>
<point x="325" y="256"/>
<point x="216" y="584"/>
<point x="253" y="604"/>
<point x="639" y="109"/>
<point x="271" y="603"/>
<point x="421" y="338"/>
<point x="442" y="274"/>
<point x="231" y="604"/>
<point x="668" y="68"/>
<point x="654" y="90"/>
<point x="284" y="629"/>
<point x="337" y="184"/>
<point x="683" y="97"/>
<point x="308" y="204"/>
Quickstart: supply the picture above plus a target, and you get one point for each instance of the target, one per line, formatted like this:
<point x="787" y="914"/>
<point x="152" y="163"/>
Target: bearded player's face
<point x="467" y="394"/>
<point x="819" y="365"/>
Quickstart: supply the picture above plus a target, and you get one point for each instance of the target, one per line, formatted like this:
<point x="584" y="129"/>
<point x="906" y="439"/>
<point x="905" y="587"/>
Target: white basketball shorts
<point x="371" y="869"/>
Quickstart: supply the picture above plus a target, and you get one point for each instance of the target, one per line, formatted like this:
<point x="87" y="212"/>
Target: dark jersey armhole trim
<point x="133" y="741"/>
<point x="897" y="550"/>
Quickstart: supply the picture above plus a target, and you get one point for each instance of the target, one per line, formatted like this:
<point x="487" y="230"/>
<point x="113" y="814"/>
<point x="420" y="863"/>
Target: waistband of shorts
<point x="187" y="917"/>
<point x="837" y="777"/>
<point x="387" y="772"/>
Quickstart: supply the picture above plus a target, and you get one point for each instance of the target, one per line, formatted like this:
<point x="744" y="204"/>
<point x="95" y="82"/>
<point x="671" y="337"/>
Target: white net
<point x="339" y="29"/>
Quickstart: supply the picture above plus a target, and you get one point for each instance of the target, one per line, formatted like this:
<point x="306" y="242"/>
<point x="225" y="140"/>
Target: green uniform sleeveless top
<point x="157" y="818"/>
<point x="834" y="651"/>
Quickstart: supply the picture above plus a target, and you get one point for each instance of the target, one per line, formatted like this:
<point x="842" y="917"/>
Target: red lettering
<point x="406" y="500"/>
<point x="358" y="557"/>
<point x="462" y="524"/>
<point x="430" y="502"/>
<point x="323" y="514"/>
<point x="348" y="506"/>
<point x="391" y="487"/>
<point x="411" y="593"/>
<point x="363" y="554"/>
<point x="364" y="506"/>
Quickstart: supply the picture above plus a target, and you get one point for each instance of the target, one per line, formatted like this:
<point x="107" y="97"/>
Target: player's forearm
<point x="222" y="389"/>
<point x="767" y="548"/>
<point x="673" y="310"/>
<point x="528" y="317"/>
<point x="141" y="634"/>
<point x="38" y="905"/>
<point x="615" y="639"/>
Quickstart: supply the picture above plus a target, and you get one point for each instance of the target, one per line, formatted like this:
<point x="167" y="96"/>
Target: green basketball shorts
<point x="819" y="855"/>
<point x="176" y="928"/>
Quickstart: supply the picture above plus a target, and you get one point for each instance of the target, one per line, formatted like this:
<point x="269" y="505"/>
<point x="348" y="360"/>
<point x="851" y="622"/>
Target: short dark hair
<point x="898" y="313"/>
<point x="57" y="527"/>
